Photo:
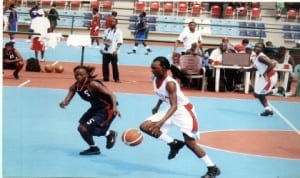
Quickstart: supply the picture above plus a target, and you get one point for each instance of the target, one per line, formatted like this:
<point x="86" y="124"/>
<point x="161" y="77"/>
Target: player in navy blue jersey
<point x="97" y="119"/>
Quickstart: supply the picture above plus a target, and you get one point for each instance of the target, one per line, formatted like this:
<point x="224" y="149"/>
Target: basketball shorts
<point x="37" y="45"/>
<point x="262" y="86"/>
<point x="184" y="118"/>
<point x="97" y="121"/>
<point x="94" y="32"/>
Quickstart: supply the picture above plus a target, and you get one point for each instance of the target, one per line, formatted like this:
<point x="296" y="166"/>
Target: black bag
<point x="211" y="84"/>
<point x="33" y="65"/>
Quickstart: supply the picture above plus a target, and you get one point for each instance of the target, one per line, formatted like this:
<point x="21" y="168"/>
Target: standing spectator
<point x="13" y="22"/>
<point x="53" y="16"/>
<point x="5" y="19"/>
<point x="180" y="113"/>
<point x="12" y="59"/>
<point x="96" y="121"/>
<point x="40" y="25"/>
<point x="95" y="28"/>
<point x="267" y="79"/>
<point x="110" y="18"/>
<point x="141" y="33"/>
<point x="112" y="39"/>
<point x="279" y="8"/>
<point x="188" y="37"/>
<point x="33" y="12"/>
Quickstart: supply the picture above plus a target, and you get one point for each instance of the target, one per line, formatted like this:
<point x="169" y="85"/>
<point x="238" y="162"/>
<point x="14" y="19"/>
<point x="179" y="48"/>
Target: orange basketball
<point x="59" y="68"/>
<point x="132" y="137"/>
<point x="49" y="68"/>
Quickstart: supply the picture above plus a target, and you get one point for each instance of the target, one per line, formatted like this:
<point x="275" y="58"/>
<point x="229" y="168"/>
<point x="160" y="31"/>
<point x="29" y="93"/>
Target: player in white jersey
<point x="180" y="113"/>
<point x="267" y="79"/>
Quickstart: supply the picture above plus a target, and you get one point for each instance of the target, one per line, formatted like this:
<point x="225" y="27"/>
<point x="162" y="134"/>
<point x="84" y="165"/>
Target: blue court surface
<point x="41" y="140"/>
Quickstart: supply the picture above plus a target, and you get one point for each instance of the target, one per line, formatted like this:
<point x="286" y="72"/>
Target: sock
<point x="166" y="138"/>
<point x="268" y="108"/>
<point x="107" y="133"/>
<point x="206" y="159"/>
<point x="93" y="146"/>
<point x="134" y="48"/>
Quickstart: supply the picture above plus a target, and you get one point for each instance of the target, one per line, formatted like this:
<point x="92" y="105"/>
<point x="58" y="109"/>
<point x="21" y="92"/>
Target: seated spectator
<point x="230" y="75"/>
<point x="12" y="59"/>
<point x="176" y="72"/>
<point x="270" y="50"/>
<point x="241" y="47"/>
<point x="230" y="46"/>
<point x="283" y="57"/>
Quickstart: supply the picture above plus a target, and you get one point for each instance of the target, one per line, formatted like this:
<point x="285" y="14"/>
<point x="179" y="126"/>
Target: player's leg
<point x="212" y="169"/>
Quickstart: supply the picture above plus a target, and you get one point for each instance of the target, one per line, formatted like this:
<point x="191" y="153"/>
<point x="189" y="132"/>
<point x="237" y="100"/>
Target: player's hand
<point x="155" y="129"/>
<point x="62" y="104"/>
<point x="155" y="110"/>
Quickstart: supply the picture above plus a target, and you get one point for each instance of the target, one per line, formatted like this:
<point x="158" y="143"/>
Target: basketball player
<point x="95" y="28"/>
<point x="97" y="119"/>
<point x="266" y="80"/>
<point x="181" y="114"/>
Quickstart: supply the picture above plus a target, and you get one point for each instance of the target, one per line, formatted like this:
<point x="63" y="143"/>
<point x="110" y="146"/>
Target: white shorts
<point x="262" y="86"/>
<point x="184" y="118"/>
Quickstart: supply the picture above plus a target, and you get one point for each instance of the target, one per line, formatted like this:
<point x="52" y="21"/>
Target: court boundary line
<point x="24" y="83"/>
<point x="241" y="153"/>
<point x="285" y="120"/>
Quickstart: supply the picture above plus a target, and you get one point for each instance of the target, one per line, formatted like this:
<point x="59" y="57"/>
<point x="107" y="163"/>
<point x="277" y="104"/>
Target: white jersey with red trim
<point x="261" y="67"/>
<point x="163" y="94"/>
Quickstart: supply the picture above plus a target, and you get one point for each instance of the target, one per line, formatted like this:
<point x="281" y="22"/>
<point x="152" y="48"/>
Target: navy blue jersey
<point x="97" y="99"/>
<point x="141" y="25"/>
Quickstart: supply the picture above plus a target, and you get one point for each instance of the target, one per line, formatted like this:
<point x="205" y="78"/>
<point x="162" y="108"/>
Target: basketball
<point x="132" y="137"/>
<point x="49" y="68"/>
<point x="59" y="68"/>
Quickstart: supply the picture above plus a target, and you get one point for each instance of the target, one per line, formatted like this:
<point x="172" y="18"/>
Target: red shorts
<point x="37" y="45"/>
<point x="94" y="32"/>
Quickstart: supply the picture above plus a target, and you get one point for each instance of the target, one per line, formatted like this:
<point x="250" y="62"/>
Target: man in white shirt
<point x="188" y="37"/>
<point x="40" y="25"/>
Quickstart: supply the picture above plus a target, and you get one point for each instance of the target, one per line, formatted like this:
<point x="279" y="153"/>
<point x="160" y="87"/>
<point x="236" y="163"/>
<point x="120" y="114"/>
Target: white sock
<point x="206" y="159"/>
<point x="107" y="133"/>
<point x="166" y="138"/>
<point x="134" y="48"/>
<point x="268" y="108"/>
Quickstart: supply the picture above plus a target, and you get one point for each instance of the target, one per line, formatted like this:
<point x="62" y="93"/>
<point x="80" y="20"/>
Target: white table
<point x="285" y="68"/>
<point x="217" y="75"/>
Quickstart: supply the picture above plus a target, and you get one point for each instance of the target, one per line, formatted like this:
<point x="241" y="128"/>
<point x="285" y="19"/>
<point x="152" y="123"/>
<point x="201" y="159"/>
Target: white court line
<point x="55" y="62"/>
<point x="285" y="120"/>
<point x="24" y="83"/>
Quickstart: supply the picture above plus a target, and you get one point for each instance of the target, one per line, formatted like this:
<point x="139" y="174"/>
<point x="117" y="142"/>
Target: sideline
<point x="24" y="83"/>
<point x="285" y="120"/>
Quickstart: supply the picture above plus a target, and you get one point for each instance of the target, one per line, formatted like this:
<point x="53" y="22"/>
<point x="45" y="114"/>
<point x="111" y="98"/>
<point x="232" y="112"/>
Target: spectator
<point x="33" y="14"/>
<point x="141" y="33"/>
<point x="53" y="16"/>
<point x="228" y="74"/>
<point x="12" y="59"/>
<point x="40" y="25"/>
<point x="95" y="28"/>
<point x="240" y="48"/>
<point x="188" y="37"/>
<point x="280" y="6"/>
<point x="5" y="19"/>
<point x="113" y="39"/>
<point x="110" y="18"/>
<point x="270" y="50"/>
<point x="230" y="46"/>
<point x="13" y="22"/>
<point x="283" y="57"/>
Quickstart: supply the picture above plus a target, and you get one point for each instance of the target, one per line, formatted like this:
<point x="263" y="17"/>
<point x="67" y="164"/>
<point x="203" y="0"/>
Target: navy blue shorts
<point x="97" y="121"/>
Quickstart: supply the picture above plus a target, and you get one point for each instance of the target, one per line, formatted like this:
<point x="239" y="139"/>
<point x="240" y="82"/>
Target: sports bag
<point x="33" y="65"/>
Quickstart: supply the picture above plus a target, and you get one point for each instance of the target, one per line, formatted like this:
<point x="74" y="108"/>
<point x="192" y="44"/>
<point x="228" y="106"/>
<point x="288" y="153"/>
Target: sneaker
<point x="267" y="113"/>
<point x="93" y="150"/>
<point x="111" y="139"/>
<point x="175" y="146"/>
<point x="281" y="91"/>
<point x="212" y="172"/>
<point x="148" y="51"/>
<point x="132" y="52"/>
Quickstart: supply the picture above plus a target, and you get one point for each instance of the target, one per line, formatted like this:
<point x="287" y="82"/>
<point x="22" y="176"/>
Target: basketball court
<point x="41" y="140"/>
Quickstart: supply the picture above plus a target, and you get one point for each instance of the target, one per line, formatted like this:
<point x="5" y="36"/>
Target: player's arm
<point x="157" y="106"/>
<point x="96" y="86"/>
<point x="172" y="90"/>
<point x="69" y="97"/>
<point x="265" y="60"/>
